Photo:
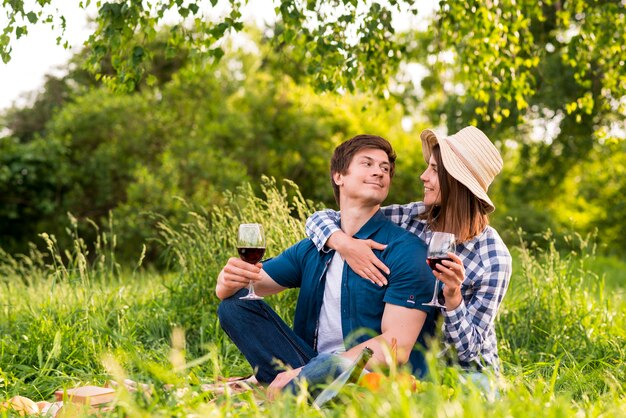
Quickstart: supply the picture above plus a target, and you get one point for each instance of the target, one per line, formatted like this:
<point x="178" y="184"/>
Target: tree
<point x="176" y="147"/>
<point x="511" y="67"/>
<point x="497" y="47"/>
<point x="342" y="39"/>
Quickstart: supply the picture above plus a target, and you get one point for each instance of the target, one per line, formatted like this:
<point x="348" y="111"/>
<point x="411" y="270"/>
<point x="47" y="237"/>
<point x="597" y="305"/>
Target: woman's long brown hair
<point x="460" y="211"/>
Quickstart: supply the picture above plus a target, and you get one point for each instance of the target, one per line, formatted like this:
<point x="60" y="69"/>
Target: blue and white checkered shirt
<point x="470" y="327"/>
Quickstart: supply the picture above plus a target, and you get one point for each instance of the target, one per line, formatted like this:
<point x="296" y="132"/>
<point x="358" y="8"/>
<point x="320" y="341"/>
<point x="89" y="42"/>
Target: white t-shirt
<point x="329" y="333"/>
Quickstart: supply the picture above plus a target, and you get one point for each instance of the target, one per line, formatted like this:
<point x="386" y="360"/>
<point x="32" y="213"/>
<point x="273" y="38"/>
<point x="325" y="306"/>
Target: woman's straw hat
<point x="469" y="156"/>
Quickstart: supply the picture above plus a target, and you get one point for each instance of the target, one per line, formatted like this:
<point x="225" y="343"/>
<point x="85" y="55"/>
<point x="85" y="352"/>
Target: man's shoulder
<point x="396" y="233"/>
<point x="288" y="267"/>
<point x="300" y="251"/>
<point x="302" y="248"/>
<point x="402" y="245"/>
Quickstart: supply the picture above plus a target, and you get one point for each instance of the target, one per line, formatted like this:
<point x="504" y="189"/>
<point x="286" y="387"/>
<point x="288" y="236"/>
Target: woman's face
<point x="432" y="192"/>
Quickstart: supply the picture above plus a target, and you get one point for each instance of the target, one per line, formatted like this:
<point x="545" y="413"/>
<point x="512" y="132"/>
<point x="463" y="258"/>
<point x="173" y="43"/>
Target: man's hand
<point x="281" y="380"/>
<point x="360" y="257"/>
<point x="236" y="275"/>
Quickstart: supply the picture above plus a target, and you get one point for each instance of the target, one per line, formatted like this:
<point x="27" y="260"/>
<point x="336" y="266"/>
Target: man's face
<point x="367" y="179"/>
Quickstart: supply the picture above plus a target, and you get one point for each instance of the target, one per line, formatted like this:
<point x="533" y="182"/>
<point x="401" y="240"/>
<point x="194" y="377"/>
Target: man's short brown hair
<point x="342" y="157"/>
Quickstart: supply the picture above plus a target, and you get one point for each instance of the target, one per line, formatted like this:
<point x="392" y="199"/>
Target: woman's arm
<point x="322" y="228"/>
<point x="402" y="215"/>
<point x="322" y="224"/>
<point x="466" y="327"/>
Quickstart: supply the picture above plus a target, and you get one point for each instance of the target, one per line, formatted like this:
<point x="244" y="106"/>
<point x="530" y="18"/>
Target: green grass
<point x="65" y="321"/>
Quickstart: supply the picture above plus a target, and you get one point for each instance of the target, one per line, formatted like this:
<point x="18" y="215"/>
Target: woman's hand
<point x="360" y="257"/>
<point x="452" y="275"/>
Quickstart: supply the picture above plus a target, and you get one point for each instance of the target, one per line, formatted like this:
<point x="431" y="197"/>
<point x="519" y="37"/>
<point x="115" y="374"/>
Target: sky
<point x="38" y="54"/>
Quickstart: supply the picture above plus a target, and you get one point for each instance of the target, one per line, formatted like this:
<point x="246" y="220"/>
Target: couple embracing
<point x="362" y="272"/>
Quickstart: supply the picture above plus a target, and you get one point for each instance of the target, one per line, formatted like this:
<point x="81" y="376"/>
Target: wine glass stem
<point x="435" y="291"/>
<point x="251" y="288"/>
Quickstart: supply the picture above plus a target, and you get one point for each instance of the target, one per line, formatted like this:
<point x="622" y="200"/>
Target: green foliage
<point x="201" y="133"/>
<point x="205" y="127"/>
<point x="202" y="245"/>
<point x="560" y="323"/>
<point x="345" y="44"/>
<point x="597" y="202"/>
<point x="537" y="196"/>
<point x="32" y="179"/>
<point x="498" y="49"/>
<point x="500" y="53"/>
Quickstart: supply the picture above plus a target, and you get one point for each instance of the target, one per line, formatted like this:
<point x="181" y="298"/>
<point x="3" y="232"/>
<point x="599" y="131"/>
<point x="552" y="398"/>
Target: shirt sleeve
<point x="411" y="281"/>
<point x="286" y="269"/>
<point x="321" y="225"/>
<point x="402" y="214"/>
<point x="466" y="326"/>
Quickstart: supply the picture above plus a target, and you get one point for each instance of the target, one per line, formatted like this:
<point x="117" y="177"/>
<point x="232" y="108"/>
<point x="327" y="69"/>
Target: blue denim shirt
<point x="410" y="284"/>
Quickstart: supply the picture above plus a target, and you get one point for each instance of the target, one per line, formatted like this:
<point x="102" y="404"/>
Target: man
<point x="337" y="313"/>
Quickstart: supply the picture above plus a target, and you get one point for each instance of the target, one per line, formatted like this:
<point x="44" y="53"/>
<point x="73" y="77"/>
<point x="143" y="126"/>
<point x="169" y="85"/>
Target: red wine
<point x="432" y="262"/>
<point x="251" y="255"/>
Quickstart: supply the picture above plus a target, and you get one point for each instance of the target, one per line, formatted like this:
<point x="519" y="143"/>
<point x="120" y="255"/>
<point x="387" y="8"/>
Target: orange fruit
<point x="372" y="381"/>
<point x="408" y="380"/>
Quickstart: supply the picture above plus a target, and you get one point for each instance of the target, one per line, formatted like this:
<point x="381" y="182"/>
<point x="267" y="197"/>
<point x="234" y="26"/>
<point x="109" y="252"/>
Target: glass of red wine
<point x="251" y="248"/>
<point x="440" y="245"/>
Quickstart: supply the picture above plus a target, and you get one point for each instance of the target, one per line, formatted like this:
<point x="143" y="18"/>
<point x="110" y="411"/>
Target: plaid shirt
<point x="470" y="327"/>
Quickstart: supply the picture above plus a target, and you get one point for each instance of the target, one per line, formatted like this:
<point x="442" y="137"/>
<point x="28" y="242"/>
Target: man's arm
<point x="237" y="274"/>
<point x="399" y="323"/>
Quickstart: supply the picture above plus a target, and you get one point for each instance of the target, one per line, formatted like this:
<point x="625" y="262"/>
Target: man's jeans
<point x="269" y="344"/>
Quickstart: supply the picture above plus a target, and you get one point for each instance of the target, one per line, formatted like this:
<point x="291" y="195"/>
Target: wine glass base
<point x="434" y="304"/>
<point x="251" y="297"/>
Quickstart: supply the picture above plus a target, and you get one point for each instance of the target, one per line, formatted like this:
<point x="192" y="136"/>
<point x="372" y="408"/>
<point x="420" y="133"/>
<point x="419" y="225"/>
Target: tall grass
<point x="74" y="316"/>
<point x="560" y="324"/>
<point x="198" y="250"/>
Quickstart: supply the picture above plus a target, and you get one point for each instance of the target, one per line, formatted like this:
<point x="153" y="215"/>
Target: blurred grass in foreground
<point x="74" y="317"/>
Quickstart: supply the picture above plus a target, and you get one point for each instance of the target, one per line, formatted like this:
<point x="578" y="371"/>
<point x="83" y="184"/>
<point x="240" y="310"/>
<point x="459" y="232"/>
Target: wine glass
<point x="251" y="247"/>
<point x="440" y="245"/>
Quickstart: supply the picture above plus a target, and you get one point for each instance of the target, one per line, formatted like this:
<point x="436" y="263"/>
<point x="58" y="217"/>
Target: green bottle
<point x="359" y="365"/>
<point x="350" y="375"/>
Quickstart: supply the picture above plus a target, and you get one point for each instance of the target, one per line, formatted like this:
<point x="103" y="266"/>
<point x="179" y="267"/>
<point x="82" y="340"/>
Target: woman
<point x="460" y="169"/>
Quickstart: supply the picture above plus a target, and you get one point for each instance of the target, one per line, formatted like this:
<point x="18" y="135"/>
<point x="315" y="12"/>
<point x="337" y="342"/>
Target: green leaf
<point x="32" y="17"/>
<point x="20" y="31"/>
<point x="217" y="53"/>
<point x="138" y="55"/>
